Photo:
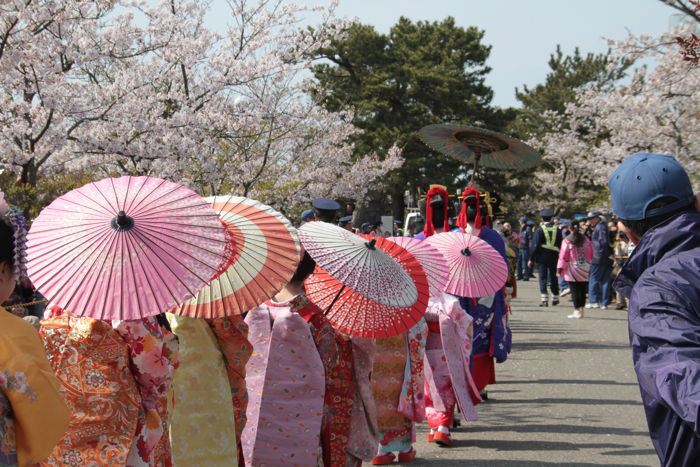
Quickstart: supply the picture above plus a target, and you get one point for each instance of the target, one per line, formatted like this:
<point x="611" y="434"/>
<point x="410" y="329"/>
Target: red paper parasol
<point x="265" y="255"/>
<point x="430" y="259"/>
<point x="476" y="268"/>
<point x="125" y="248"/>
<point x="363" y="291"/>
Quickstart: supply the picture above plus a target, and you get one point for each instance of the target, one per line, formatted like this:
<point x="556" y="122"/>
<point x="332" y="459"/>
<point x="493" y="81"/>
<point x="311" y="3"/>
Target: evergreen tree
<point x="418" y="74"/>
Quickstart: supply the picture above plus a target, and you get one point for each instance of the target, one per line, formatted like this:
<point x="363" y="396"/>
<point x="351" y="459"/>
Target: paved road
<point x="566" y="396"/>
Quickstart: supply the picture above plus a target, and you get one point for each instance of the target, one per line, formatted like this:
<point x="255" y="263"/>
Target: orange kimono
<point x="115" y="377"/>
<point x="33" y="415"/>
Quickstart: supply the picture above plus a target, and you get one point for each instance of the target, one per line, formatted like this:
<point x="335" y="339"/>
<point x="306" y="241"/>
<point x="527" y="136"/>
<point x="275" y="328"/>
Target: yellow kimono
<point x="202" y="427"/>
<point x="33" y="415"/>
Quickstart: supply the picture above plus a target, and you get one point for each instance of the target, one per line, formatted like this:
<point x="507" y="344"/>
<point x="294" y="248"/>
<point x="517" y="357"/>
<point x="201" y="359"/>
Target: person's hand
<point x="529" y="264"/>
<point x="560" y="271"/>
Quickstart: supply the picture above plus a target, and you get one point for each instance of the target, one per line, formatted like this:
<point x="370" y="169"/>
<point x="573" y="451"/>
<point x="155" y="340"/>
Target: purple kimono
<point x="492" y="336"/>
<point x="286" y="386"/>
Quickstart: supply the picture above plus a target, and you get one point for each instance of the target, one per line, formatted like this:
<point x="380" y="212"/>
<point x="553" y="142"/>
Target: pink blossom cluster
<point x="143" y="87"/>
<point x="656" y="110"/>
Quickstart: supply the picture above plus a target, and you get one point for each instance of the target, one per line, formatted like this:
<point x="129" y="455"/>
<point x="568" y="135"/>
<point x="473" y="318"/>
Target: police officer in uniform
<point x="326" y="209"/>
<point x="545" y="252"/>
<point x="345" y="222"/>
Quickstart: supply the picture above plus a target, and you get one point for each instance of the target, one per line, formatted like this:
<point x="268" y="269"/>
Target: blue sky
<point x="522" y="32"/>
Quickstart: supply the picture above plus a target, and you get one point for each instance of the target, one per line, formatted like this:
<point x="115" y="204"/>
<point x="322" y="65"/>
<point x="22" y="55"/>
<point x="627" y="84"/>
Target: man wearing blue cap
<point x="325" y="209"/>
<point x="600" y="278"/>
<point x="545" y="252"/>
<point x="308" y="216"/>
<point x="345" y="222"/>
<point x="523" y="271"/>
<point x="653" y="199"/>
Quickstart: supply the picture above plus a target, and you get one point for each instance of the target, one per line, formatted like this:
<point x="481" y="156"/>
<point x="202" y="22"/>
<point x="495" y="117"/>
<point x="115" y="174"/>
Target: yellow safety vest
<point x="550" y="238"/>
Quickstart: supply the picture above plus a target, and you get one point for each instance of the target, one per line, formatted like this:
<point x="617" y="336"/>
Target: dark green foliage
<point x="417" y="74"/>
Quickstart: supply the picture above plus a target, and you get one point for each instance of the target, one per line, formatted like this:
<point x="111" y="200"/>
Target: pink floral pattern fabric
<point x="153" y="352"/>
<point x="448" y="379"/>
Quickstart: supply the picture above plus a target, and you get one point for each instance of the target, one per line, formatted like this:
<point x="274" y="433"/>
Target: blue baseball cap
<point x="523" y="218"/>
<point x="365" y="224"/>
<point x="546" y="213"/>
<point x="592" y="214"/>
<point x="642" y="179"/>
<point x="309" y="213"/>
<point x="345" y="220"/>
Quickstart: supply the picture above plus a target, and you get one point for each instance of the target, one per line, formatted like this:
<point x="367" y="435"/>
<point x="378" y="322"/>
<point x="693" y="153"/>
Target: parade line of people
<point x="282" y="383"/>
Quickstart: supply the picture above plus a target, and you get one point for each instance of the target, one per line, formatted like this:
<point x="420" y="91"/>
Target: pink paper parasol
<point x="125" y="248"/>
<point x="363" y="290"/>
<point x="430" y="259"/>
<point x="476" y="269"/>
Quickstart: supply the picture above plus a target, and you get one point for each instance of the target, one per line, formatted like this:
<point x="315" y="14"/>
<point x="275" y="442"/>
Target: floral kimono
<point x="448" y="380"/>
<point x="154" y="359"/>
<point x="202" y="426"/>
<point x="115" y="376"/>
<point x="364" y="430"/>
<point x="33" y="415"/>
<point x="286" y="384"/>
<point x="397" y="385"/>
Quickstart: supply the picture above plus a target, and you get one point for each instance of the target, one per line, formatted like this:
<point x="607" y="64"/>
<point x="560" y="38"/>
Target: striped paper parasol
<point x="125" y="248"/>
<point x="430" y="259"/>
<point x="265" y="254"/>
<point x="363" y="290"/>
<point x="476" y="269"/>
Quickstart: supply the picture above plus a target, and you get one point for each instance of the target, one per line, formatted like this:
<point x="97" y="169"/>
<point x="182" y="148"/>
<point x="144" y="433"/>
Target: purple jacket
<point x="662" y="280"/>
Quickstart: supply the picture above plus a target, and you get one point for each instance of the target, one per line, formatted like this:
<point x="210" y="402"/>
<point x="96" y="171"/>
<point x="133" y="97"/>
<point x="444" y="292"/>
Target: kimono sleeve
<point x="665" y="332"/>
<point x="40" y="413"/>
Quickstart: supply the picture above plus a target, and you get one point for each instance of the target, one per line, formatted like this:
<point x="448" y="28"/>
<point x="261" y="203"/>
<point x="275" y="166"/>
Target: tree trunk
<point x="398" y="203"/>
<point x="29" y="173"/>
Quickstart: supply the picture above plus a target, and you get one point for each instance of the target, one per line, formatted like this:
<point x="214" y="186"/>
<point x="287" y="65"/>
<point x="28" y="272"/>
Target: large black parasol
<point x="480" y="147"/>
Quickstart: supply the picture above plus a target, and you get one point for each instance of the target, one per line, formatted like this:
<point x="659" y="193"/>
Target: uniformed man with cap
<point x="545" y="252"/>
<point x="600" y="278"/>
<point x="523" y="271"/>
<point x="325" y="209"/>
<point x="345" y="222"/>
<point x="308" y="216"/>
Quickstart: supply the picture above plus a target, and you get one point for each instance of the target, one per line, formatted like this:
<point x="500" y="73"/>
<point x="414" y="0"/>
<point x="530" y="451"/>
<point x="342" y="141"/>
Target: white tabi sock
<point x="444" y="430"/>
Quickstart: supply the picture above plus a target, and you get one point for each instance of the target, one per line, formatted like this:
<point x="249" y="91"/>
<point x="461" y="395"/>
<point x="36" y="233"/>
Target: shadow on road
<point x="571" y="345"/>
<point x="529" y="445"/>
<point x="556" y="428"/>
<point x="557" y="401"/>
<point x="604" y="382"/>
<point x="505" y="463"/>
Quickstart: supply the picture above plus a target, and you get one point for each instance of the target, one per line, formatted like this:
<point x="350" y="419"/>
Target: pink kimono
<point x="448" y="380"/>
<point x="286" y="388"/>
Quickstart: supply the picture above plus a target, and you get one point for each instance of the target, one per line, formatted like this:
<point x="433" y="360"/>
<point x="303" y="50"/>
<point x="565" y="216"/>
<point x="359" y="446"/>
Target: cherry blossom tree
<point x="143" y="87"/>
<point x="658" y="110"/>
